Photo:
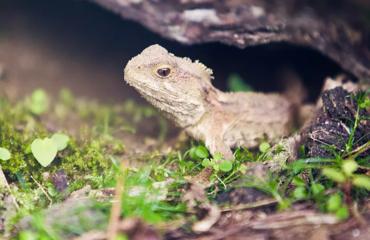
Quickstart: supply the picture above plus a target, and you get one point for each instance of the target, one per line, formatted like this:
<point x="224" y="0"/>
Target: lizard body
<point x="182" y="89"/>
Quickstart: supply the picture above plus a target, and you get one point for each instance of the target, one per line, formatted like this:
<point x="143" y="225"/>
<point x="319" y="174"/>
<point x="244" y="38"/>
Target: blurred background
<point x="84" y="47"/>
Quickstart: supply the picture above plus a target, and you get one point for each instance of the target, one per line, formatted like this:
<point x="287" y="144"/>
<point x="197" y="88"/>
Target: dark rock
<point x="331" y="129"/>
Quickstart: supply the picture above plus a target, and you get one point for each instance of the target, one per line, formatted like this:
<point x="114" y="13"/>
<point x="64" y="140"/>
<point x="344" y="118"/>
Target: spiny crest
<point x="202" y="68"/>
<point x="156" y="49"/>
<point x="208" y="73"/>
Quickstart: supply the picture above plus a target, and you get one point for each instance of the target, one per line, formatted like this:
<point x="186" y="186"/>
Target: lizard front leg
<point x="215" y="144"/>
<point x="211" y="130"/>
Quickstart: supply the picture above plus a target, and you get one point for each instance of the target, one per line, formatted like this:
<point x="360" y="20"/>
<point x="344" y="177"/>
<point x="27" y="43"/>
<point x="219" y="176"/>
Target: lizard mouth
<point x="148" y="91"/>
<point x="128" y="73"/>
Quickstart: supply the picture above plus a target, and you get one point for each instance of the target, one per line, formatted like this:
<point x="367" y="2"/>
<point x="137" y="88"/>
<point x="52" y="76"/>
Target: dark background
<point x="81" y="46"/>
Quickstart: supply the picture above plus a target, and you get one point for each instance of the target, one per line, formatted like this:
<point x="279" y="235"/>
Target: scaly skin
<point x="182" y="89"/>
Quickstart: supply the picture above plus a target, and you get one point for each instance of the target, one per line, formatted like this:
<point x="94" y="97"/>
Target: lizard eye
<point x="163" y="71"/>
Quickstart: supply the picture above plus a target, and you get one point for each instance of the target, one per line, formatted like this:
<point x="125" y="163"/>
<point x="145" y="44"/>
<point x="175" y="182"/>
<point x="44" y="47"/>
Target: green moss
<point x="94" y="131"/>
<point x="18" y="129"/>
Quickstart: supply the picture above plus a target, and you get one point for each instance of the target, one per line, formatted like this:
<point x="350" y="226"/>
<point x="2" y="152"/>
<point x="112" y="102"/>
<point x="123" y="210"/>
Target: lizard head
<point x="175" y="85"/>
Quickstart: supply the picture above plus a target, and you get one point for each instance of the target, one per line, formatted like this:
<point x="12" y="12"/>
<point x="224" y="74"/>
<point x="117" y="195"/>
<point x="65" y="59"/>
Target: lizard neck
<point x="213" y="98"/>
<point x="190" y="111"/>
<point x="185" y="107"/>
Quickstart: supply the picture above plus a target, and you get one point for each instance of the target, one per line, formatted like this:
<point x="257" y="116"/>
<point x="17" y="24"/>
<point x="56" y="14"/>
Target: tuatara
<point x="183" y="90"/>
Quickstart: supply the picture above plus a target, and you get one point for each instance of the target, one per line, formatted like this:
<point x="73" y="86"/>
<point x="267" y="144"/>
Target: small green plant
<point x="346" y="177"/>
<point x="300" y="191"/>
<point x="218" y="163"/>
<point x="264" y="147"/>
<point x="237" y="84"/>
<point x="39" y="102"/>
<point x="45" y="150"/>
<point x="4" y="154"/>
<point x="224" y="171"/>
<point x="60" y="140"/>
<point x="199" y="152"/>
<point x="324" y="175"/>
<point x="336" y="205"/>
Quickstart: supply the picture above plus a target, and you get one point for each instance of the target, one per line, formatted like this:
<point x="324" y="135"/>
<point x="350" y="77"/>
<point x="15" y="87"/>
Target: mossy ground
<point x="105" y="143"/>
<point x="94" y="151"/>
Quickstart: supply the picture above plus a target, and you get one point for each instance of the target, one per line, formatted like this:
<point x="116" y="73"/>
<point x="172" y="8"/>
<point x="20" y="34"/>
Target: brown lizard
<point x="183" y="90"/>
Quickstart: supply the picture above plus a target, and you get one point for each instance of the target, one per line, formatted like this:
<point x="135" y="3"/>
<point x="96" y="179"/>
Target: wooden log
<point x="338" y="30"/>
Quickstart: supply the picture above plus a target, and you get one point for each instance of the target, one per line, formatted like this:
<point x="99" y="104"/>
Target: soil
<point x="330" y="130"/>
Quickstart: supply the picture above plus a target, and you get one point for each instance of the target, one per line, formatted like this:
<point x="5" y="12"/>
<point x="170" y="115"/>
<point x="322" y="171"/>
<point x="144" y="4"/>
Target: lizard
<point x="182" y="89"/>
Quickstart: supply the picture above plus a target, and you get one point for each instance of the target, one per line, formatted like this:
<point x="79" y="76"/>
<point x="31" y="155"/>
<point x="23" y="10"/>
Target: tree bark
<point x="338" y="30"/>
